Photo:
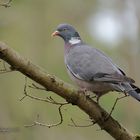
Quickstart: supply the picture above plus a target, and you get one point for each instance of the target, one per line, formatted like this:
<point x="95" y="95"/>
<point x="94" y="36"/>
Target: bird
<point x="90" y="68"/>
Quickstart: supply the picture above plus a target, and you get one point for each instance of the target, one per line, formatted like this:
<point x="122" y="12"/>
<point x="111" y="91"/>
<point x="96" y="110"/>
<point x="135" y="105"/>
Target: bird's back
<point x="86" y="61"/>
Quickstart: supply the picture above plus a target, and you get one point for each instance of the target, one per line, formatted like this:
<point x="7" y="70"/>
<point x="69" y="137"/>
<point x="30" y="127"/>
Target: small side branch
<point x="115" y="103"/>
<point x="47" y="100"/>
<point x="5" y="69"/>
<point x="34" y="86"/>
<point x="37" y="123"/>
<point x="76" y="125"/>
<point x="7" y="4"/>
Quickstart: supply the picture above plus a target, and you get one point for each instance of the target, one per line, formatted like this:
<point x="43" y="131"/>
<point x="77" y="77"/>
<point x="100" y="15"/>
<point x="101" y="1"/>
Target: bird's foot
<point x="94" y="97"/>
<point x="85" y="92"/>
<point x="89" y="94"/>
<point x="82" y="90"/>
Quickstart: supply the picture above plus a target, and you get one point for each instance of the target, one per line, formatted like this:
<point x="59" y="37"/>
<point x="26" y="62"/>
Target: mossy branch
<point x="66" y="91"/>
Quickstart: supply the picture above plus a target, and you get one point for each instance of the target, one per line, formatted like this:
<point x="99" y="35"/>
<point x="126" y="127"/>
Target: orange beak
<point x="55" y="33"/>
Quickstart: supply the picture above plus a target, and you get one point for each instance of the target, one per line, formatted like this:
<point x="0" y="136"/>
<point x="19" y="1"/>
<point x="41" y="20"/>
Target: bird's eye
<point x="64" y="29"/>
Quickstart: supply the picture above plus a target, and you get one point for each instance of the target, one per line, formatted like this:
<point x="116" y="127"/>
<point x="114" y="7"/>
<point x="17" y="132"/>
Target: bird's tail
<point x="132" y="90"/>
<point x="137" y="89"/>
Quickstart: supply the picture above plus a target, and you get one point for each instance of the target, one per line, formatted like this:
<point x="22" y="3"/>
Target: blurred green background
<point x="26" y="26"/>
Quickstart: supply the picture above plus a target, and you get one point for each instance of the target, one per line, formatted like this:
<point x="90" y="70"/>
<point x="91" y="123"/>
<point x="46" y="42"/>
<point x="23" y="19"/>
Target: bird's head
<point x="68" y="33"/>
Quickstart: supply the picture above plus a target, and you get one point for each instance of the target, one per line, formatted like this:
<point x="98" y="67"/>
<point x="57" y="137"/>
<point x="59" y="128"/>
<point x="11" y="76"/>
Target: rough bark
<point x="54" y="84"/>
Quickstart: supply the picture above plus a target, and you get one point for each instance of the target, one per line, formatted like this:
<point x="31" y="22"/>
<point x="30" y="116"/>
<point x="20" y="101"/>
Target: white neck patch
<point x="74" y="40"/>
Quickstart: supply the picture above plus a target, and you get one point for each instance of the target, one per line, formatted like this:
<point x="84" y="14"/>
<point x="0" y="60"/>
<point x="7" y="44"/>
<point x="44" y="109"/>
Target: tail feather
<point x="137" y="89"/>
<point x="134" y="94"/>
<point x="132" y="90"/>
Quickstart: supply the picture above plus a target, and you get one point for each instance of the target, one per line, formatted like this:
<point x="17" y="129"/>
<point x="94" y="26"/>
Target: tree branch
<point x="7" y="4"/>
<point x="54" y="84"/>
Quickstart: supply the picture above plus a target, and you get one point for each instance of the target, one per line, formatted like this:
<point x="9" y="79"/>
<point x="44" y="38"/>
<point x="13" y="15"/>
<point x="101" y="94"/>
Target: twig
<point x="115" y="103"/>
<point x="34" y="86"/>
<point x="5" y="70"/>
<point x="25" y="91"/>
<point x="7" y="4"/>
<point x="76" y="125"/>
<point x="36" y="123"/>
<point x="4" y="65"/>
<point x="48" y="99"/>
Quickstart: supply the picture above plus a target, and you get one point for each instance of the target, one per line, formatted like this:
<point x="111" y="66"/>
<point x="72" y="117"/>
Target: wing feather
<point x="89" y="64"/>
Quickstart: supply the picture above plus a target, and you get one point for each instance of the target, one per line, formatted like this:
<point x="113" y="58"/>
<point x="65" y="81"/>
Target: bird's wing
<point x="112" y="78"/>
<point x="90" y="64"/>
<point x="121" y="71"/>
<point x="104" y="77"/>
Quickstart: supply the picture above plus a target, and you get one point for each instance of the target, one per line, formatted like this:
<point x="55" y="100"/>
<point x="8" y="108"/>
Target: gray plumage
<point x="91" y="69"/>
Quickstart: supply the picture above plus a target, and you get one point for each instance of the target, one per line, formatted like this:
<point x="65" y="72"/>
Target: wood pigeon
<point x="90" y="68"/>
